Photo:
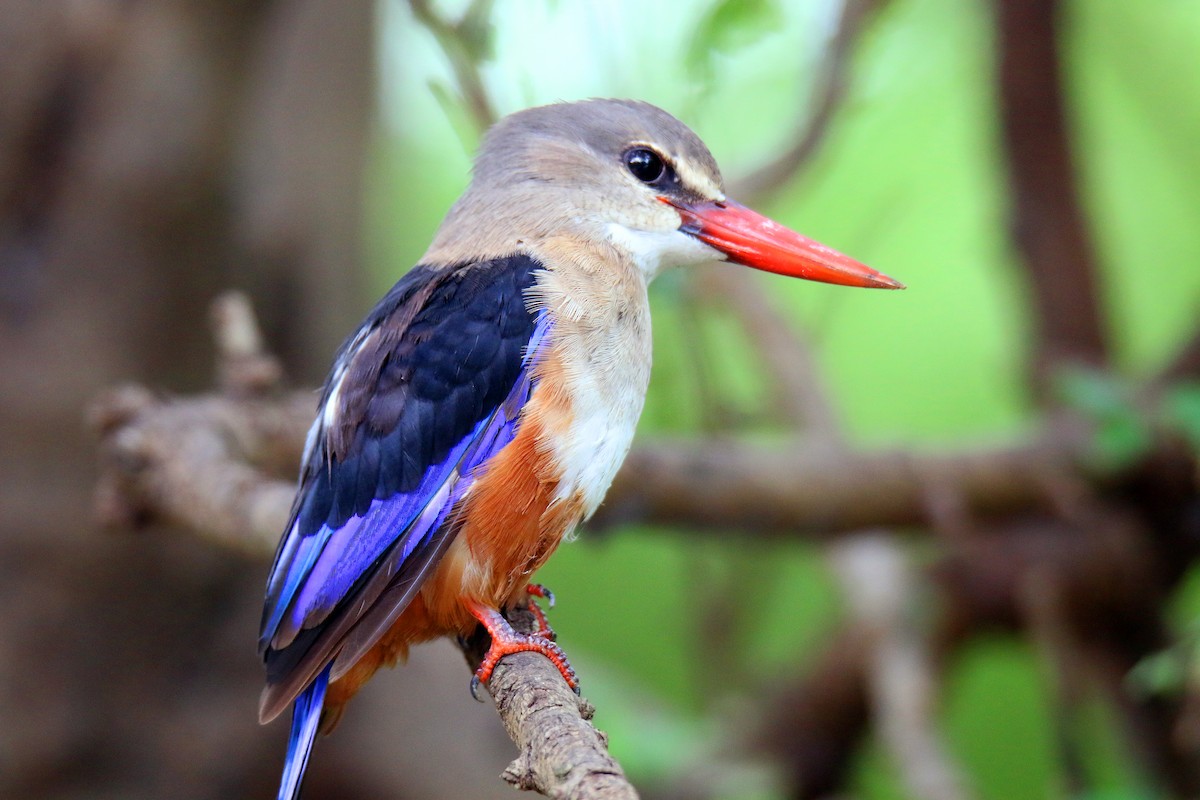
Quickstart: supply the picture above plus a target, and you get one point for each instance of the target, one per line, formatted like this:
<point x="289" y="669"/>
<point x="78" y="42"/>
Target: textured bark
<point x="562" y="755"/>
<point x="184" y="463"/>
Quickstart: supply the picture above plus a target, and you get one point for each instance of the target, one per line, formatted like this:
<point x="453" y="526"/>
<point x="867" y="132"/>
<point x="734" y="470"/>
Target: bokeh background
<point x="1029" y="168"/>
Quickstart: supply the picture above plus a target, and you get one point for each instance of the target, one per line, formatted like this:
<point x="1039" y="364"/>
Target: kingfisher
<point x="481" y="410"/>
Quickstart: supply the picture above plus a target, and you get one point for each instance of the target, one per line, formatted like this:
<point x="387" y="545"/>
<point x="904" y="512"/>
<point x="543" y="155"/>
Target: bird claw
<point x="506" y="641"/>
<point x="475" y="682"/>
<point x="538" y="590"/>
<point x="543" y="625"/>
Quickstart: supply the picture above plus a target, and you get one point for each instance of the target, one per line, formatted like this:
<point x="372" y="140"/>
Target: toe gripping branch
<point x="506" y="641"/>
<point x="537" y="590"/>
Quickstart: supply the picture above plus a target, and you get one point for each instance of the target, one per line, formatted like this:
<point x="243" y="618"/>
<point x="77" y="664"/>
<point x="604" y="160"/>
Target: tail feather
<point x="306" y="714"/>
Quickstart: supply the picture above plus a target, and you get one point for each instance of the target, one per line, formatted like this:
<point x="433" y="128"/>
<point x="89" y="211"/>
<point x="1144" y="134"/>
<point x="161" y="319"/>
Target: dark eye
<point x="645" y="164"/>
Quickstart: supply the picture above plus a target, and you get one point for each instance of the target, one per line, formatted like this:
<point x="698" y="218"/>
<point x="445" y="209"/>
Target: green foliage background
<point x="910" y="181"/>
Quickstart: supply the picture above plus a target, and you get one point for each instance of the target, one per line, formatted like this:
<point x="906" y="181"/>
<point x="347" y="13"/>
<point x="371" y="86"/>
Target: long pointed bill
<point x="751" y="239"/>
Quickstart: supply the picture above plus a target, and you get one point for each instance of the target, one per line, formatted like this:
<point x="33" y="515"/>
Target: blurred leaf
<point x="1095" y="394"/>
<point x="1121" y="434"/>
<point x="1161" y="674"/>
<point x="1119" y="793"/>
<point x="728" y="26"/>
<point x="1181" y="411"/>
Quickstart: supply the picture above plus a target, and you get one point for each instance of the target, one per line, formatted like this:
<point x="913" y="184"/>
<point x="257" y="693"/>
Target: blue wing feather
<point x="418" y="410"/>
<point x="306" y="715"/>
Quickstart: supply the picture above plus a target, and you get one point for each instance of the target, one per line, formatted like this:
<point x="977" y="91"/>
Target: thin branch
<point x="244" y="368"/>
<point x="1185" y="365"/>
<point x="814" y="123"/>
<point x="901" y="675"/>
<point x="813" y="727"/>
<point x="463" y="44"/>
<point x="799" y="395"/>
<point x="717" y="414"/>
<point x="1049" y="627"/>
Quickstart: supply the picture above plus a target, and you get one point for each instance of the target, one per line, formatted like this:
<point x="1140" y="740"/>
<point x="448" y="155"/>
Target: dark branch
<point x="814" y="124"/>
<point x="1048" y="222"/>
<point x="1185" y="365"/>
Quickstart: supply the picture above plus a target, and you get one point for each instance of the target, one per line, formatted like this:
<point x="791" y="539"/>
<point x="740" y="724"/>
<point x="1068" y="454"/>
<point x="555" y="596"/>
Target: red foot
<point x="506" y="641"/>
<point x="537" y="590"/>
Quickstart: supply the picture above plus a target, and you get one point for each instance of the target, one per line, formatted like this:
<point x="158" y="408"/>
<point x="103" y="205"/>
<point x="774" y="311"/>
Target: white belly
<point x="598" y="438"/>
<point x="602" y="349"/>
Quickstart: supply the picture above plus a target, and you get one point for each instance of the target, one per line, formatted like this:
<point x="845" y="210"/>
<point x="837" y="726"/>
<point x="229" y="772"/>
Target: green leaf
<point x="1181" y="411"/>
<point x="1161" y="674"/>
<point x="1122" y="435"/>
<point x="1096" y="394"/>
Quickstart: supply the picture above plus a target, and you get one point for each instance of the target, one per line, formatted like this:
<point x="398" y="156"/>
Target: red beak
<point x="751" y="239"/>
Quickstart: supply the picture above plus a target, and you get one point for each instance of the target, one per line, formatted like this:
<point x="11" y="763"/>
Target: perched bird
<point x="481" y="410"/>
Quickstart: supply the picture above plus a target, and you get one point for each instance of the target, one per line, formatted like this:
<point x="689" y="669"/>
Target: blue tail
<point x="306" y="713"/>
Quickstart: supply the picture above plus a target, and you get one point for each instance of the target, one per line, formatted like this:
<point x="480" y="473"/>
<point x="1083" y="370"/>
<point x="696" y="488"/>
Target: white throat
<point x="654" y="251"/>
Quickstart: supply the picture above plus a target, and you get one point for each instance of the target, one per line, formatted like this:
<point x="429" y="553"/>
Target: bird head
<point x="630" y="174"/>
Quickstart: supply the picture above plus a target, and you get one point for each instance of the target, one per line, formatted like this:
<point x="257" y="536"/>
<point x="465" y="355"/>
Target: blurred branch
<point x="195" y="463"/>
<point x="1050" y="630"/>
<point x="1107" y="596"/>
<point x="783" y="491"/>
<point x="813" y="726"/>
<point x="901" y="676"/>
<point x="1047" y="220"/>
<point x="799" y="397"/>
<point x="244" y="369"/>
<point x="716" y="412"/>
<point x="813" y="125"/>
<point x="876" y="668"/>
<point x="465" y="44"/>
<point x="1186" y="363"/>
<point x="192" y="461"/>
